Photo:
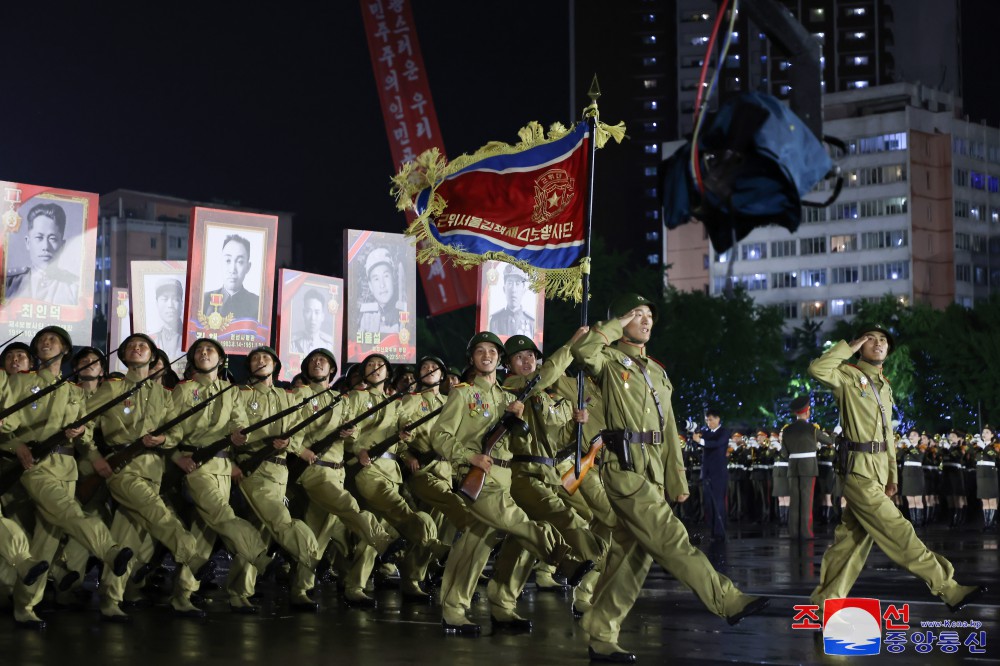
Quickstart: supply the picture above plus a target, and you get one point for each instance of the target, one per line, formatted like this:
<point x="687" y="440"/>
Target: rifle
<point x="393" y="439"/>
<point x="475" y="478"/>
<point x="39" y="450"/>
<point x="11" y="339"/>
<point x="41" y="393"/>
<point x="570" y="481"/>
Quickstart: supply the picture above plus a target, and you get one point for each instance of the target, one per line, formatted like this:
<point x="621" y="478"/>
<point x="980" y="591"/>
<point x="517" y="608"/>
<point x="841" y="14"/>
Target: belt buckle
<point x="657" y="437"/>
<point x="627" y="436"/>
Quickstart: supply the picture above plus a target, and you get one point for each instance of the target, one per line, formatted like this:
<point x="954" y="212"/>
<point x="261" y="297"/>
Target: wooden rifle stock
<point x="475" y="478"/>
<point x="570" y="481"/>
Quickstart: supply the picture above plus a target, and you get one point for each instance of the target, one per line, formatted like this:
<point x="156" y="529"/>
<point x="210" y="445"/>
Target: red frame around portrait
<point x="77" y="258"/>
<point x="209" y="227"/>
<point x="491" y="299"/>
<point x="293" y="286"/>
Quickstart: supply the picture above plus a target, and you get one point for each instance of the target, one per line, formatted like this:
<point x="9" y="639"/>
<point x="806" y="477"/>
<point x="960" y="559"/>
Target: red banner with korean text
<point x="411" y="126"/>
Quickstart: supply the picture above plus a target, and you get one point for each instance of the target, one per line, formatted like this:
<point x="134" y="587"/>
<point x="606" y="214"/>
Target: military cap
<point x="154" y="352"/>
<point x="170" y="285"/>
<point x="870" y="327"/>
<point x="212" y="341"/>
<point x="264" y="349"/>
<point x="628" y="302"/>
<point x="379" y="255"/>
<point x="324" y="352"/>
<point x="57" y="330"/>
<point x="799" y="404"/>
<point x="512" y="272"/>
<point x="484" y="336"/>
<point x="519" y="343"/>
<point x="12" y="347"/>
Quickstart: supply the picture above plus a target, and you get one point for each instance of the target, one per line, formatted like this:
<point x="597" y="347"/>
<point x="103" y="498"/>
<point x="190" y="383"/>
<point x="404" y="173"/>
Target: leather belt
<point x="781" y="464"/>
<point x="826" y="463"/>
<point x="331" y="465"/>
<point x="985" y="463"/>
<point x="186" y="448"/>
<point x="65" y="450"/>
<point x="501" y="463"/>
<point x="810" y="454"/>
<point x="912" y="463"/>
<point x="634" y="436"/>
<point x="867" y="447"/>
<point x="534" y="459"/>
<point x="277" y="461"/>
<point x="954" y="464"/>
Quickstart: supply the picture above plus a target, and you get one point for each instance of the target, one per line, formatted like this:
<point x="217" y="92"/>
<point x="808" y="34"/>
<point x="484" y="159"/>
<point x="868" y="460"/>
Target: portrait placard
<point x="119" y="325"/>
<point x="310" y="315"/>
<point x="381" y="295"/>
<point x="49" y="248"/>
<point x="507" y="305"/>
<point x="157" y="294"/>
<point x="230" y="282"/>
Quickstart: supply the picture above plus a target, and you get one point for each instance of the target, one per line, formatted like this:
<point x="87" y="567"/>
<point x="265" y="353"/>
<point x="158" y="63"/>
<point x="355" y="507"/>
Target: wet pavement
<point x="667" y="625"/>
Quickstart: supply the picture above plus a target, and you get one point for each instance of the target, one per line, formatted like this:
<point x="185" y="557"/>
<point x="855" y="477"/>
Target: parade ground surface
<point x="667" y="626"/>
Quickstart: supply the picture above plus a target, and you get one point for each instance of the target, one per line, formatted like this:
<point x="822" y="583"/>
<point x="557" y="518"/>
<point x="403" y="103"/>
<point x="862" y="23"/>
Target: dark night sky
<point x="274" y="105"/>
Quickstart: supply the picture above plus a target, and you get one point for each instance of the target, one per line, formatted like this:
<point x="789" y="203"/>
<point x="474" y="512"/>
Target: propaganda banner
<point x="156" y="290"/>
<point x="49" y="253"/>
<point x="310" y="316"/>
<point x="119" y="326"/>
<point x="411" y="126"/>
<point x="230" y="280"/>
<point x="381" y="292"/>
<point x="507" y="305"/>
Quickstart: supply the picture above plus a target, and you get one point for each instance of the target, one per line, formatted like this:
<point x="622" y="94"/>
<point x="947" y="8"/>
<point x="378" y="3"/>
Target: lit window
<point x="817" y="14"/>
<point x="652" y="258"/>
<point x="855" y="11"/>
<point x="650" y="171"/>
<point x="649" y="61"/>
<point x="699" y="41"/>
<point x="652" y="148"/>
<point x="786" y="89"/>
<point x="859" y="84"/>
<point x="859" y="60"/>
<point x="857" y="35"/>
<point x="649" y="84"/>
<point x="649" y="39"/>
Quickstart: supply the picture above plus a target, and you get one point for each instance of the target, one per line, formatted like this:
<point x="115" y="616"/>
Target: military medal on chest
<point x="864" y="385"/>
<point x="195" y="396"/>
<point x="127" y="407"/>
<point x="625" y="376"/>
<point x="35" y="389"/>
<point x="254" y="405"/>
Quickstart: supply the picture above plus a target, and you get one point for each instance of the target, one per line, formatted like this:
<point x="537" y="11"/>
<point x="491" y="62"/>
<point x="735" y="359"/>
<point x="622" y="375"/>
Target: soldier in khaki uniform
<point x="536" y="486"/>
<point x="142" y="515"/>
<point x="323" y="480"/>
<point x="642" y="466"/>
<point x="865" y="399"/>
<point x="380" y="479"/>
<point x="801" y="439"/>
<point x="469" y="413"/>
<point x="51" y="482"/>
<point x="266" y="487"/>
<point x="210" y="483"/>
<point x="430" y="473"/>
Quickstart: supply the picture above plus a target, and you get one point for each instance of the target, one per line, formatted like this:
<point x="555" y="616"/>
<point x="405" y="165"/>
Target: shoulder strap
<point x="878" y="399"/>
<point x="649" y="383"/>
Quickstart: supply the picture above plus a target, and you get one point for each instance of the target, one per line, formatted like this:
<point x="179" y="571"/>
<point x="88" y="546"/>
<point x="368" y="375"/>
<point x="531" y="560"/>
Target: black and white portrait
<point x="234" y="260"/>
<point x="44" y="259"/>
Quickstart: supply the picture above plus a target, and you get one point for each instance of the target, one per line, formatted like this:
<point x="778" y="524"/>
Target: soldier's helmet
<point x="436" y="361"/>
<point x="872" y="326"/>
<point x="519" y="343"/>
<point x="57" y="330"/>
<point x="304" y="368"/>
<point x="485" y="336"/>
<point x="153" y="350"/>
<point x="388" y="368"/>
<point x="13" y="347"/>
<point x="264" y="349"/>
<point x="205" y="341"/>
<point x="83" y="352"/>
<point x="627" y="302"/>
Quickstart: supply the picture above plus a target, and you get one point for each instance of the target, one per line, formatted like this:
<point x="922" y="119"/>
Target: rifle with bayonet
<point x="475" y="479"/>
<point x="39" y="450"/>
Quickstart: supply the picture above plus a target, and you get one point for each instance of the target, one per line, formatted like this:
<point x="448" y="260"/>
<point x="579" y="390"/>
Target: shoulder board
<point x="246" y="388"/>
<point x="184" y="381"/>
<point x="851" y="365"/>
<point x="27" y="372"/>
<point x="166" y="389"/>
<point x="113" y="379"/>
<point x="815" y="425"/>
<point x="462" y="384"/>
<point x="290" y="391"/>
<point x="657" y="361"/>
<point x="17" y="271"/>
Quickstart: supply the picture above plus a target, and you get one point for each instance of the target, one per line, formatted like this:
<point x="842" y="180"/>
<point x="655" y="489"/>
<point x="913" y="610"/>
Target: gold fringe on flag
<point x="430" y="168"/>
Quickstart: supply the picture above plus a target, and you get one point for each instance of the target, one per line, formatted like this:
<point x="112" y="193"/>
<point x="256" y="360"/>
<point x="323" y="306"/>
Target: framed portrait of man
<point x="230" y="282"/>
<point x="49" y="248"/>
<point x="310" y="316"/>
<point x="381" y="295"/>
<point x="157" y="294"/>
<point x="507" y="305"/>
<point x="119" y="325"/>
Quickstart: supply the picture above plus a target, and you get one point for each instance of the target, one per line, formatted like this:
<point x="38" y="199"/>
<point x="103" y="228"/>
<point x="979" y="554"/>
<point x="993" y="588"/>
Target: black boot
<point x="783" y="515"/>
<point x="921" y="514"/>
<point x="954" y="518"/>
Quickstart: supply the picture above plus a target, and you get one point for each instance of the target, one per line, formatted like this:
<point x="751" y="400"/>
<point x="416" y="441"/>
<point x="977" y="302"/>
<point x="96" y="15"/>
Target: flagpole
<point x="591" y="115"/>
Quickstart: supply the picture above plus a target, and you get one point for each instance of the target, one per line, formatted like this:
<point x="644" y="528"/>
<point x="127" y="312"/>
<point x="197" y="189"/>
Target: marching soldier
<point x="265" y="488"/>
<point x="469" y="413"/>
<point x="642" y="467"/>
<point x="210" y="483"/>
<point x="51" y="481"/>
<point x="142" y="515"/>
<point x="801" y="439"/>
<point x="865" y="399"/>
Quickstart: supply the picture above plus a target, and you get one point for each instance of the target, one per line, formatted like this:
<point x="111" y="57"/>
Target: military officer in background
<point x="865" y="399"/>
<point x="802" y="440"/>
<point x="643" y="467"/>
<point x="513" y="320"/>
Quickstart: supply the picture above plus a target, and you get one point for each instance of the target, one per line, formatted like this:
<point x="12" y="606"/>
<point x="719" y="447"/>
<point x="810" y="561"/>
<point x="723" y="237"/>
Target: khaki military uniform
<point x="266" y="487"/>
<point x="647" y="528"/>
<point x="870" y="516"/>
<point x="329" y="502"/>
<point x="536" y="484"/>
<point x="142" y="515"/>
<point x="470" y="411"/>
<point x="210" y="484"/>
<point x="51" y="483"/>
